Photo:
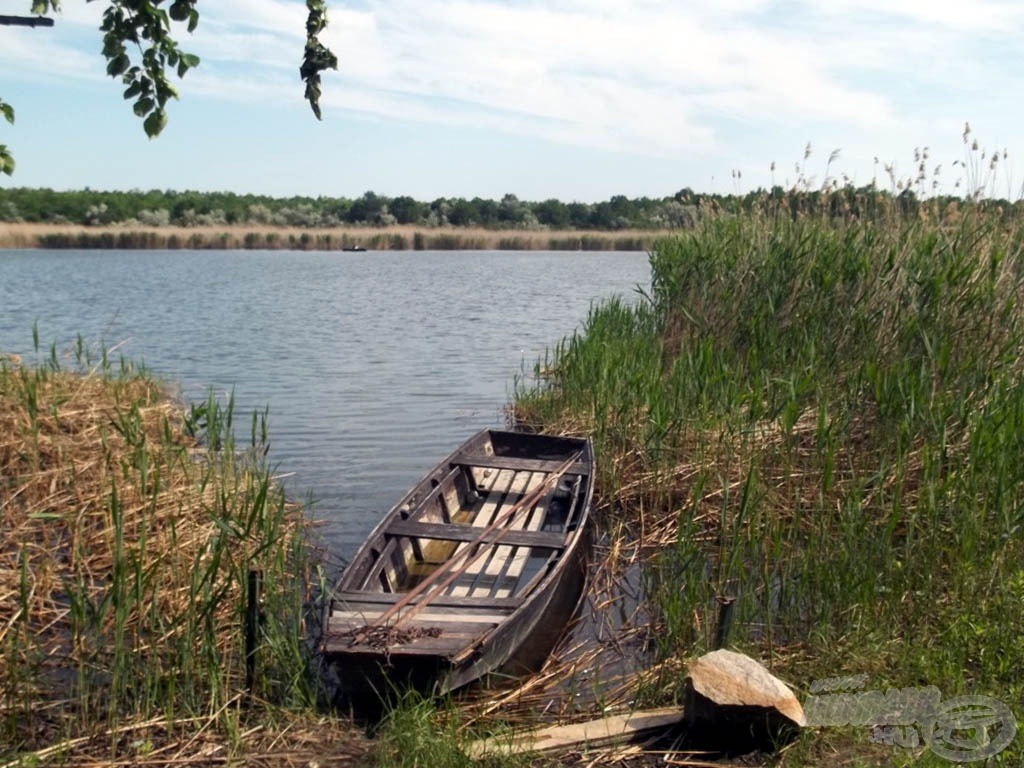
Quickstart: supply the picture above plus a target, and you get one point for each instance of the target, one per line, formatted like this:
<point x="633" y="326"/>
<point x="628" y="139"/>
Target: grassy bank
<point x="823" y="421"/>
<point x="396" y="238"/>
<point x="129" y="528"/>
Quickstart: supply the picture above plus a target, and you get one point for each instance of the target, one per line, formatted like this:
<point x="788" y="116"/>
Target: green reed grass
<point x="828" y="416"/>
<point x="420" y="731"/>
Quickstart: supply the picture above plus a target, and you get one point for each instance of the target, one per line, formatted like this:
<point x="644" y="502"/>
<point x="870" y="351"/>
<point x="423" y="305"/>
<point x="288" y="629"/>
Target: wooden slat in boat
<point x="508" y="559"/>
<point x="359" y="616"/>
<point x="480" y="579"/>
<point x="503" y="484"/>
<point x="508" y="485"/>
<point x="434" y="629"/>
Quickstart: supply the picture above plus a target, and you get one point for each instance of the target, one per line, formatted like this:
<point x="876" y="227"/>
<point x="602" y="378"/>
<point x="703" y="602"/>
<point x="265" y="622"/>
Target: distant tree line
<point x="157" y="208"/>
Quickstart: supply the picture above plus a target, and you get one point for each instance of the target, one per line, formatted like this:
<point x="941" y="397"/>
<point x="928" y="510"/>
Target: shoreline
<point x="244" y="237"/>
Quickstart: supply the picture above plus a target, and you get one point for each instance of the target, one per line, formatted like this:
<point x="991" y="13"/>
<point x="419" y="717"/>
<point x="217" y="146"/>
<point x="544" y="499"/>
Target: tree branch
<point x="25" y="21"/>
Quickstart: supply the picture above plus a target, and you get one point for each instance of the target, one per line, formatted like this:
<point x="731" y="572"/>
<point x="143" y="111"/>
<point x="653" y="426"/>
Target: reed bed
<point x="820" y="419"/>
<point x="129" y="526"/>
<point x="256" y="237"/>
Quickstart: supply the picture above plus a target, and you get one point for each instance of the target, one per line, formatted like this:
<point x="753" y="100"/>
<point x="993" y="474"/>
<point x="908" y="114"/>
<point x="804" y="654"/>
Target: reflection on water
<point x="373" y="365"/>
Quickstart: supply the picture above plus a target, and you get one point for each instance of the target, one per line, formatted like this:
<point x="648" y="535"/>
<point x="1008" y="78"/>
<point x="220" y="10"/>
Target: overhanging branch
<point x="25" y="21"/>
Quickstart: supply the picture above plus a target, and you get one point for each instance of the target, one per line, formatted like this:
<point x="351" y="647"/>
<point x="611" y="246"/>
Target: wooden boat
<point x="476" y="571"/>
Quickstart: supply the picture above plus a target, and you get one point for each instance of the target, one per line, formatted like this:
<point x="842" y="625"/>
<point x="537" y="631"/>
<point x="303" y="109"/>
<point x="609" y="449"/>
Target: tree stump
<point x="732" y="702"/>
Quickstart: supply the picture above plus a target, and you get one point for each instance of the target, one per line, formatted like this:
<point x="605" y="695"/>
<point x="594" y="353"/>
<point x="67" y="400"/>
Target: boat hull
<point x="475" y="573"/>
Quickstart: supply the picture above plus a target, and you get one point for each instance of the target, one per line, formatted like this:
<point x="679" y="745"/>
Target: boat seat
<point x="340" y="599"/>
<point x="484" y="460"/>
<point x="363" y="614"/>
<point x="472" y="533"/>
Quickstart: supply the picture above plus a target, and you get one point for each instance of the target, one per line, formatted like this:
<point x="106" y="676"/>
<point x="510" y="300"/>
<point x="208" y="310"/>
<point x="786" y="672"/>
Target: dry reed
<point x="124" y="545"/>
<point x="263" y="237"/>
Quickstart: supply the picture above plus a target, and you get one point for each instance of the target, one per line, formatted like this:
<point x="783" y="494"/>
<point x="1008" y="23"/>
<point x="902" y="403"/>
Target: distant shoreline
<point x="257" y="237"/>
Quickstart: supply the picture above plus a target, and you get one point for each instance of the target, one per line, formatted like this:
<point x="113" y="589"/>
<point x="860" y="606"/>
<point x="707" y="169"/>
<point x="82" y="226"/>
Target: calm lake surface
<point x="373" y="365"/>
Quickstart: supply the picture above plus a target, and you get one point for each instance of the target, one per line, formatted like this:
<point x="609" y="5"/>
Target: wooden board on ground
<point x="615" y="729"/>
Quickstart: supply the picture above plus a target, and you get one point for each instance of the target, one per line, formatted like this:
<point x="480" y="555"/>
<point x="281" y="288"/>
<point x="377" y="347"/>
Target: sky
<point x="578" y="100"/>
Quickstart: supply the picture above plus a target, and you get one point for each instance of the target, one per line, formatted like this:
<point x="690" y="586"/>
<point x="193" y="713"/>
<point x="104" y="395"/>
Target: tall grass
<point x="824" y="419"/>
<point x="128" y="528"/>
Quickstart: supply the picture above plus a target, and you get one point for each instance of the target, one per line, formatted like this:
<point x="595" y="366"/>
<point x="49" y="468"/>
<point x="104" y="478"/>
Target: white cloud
<point x="35" y="57"/>
<point x="997" y="17"/>
<point x="649" y="77"/>
<point x="658" y="77"/>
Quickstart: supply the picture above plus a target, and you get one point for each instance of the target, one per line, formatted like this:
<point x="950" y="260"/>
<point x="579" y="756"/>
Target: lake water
<point x="373" y="365"/>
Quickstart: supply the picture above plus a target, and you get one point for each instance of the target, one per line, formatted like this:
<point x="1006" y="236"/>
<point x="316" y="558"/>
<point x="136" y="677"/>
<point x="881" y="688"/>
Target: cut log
<point x="733" y="699"/>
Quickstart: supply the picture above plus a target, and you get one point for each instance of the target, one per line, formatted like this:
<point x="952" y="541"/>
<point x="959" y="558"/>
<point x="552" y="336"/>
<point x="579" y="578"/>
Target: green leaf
<point x="7" y="111"/>
<point x="6" y="161"/>
<point x="186" y="63"/>
<point x="155" y="123"/>
<point x="143" y="107"/>
<point x="118" y="65"/>
<point x="180" y="10"/>
<point x="112" y="46"/>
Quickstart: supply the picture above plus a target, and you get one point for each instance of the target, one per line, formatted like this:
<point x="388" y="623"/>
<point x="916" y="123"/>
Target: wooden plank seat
<point x="387" y="599"/>
<point x="472" y="533"/>
<point x="439" y="627"/>
<point x="484" y="460"/>
<point x="418" y="637"/>
<point x="360" y="615"/>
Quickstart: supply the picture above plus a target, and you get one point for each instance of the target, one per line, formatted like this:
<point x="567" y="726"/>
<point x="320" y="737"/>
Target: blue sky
<point x="574" y="99"/>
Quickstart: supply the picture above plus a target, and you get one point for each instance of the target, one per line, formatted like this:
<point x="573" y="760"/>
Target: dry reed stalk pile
<point x="124" y="551"/>
<point x="60" y="460"/>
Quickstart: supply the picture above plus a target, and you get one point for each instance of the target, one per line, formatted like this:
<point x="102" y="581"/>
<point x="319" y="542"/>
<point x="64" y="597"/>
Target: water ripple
<point x="373" y="365"/>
